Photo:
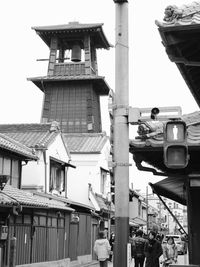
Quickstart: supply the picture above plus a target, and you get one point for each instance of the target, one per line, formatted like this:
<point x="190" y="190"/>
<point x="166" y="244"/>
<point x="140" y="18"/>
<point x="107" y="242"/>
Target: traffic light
<point x="175" y="145"/>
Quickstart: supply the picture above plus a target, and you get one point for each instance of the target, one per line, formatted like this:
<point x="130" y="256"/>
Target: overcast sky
<point x="153" y="79"/>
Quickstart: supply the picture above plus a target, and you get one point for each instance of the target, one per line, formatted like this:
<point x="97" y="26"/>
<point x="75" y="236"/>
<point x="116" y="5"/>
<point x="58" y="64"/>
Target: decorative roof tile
<point x="85" y="142"/>
<point x="154" y="138"/>
<point x="12" y="145"/>
<point x="181" y="16"/>
<point x="31" y="135"/>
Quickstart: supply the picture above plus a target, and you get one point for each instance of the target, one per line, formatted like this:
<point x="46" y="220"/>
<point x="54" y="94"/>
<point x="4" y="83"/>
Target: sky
<point x="154" y="81"/>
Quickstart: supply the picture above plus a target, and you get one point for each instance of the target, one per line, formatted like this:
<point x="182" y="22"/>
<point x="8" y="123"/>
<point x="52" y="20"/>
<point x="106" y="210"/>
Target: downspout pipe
<point x="45" y="170"/>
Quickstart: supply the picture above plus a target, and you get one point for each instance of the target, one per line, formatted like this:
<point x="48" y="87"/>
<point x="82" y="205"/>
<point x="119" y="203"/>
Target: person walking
<point x="102" y="250"/>
<point x="111" y="242"/>
<point x="170" y="253"/>
<point x="137" y="248"/>
<point x="152" y="250"/>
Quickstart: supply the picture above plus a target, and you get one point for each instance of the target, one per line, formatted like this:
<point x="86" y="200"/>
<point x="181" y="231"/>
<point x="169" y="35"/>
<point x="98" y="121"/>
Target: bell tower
<point x="72" y="87"/>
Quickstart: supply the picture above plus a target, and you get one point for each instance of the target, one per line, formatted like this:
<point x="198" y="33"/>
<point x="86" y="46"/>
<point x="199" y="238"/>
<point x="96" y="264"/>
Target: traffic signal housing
<point x="175" y="145"/>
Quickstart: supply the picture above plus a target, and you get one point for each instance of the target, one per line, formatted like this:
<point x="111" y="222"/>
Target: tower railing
<point x="71" y="69"/>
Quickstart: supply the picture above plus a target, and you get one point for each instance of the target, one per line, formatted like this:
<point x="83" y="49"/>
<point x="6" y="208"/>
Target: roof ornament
<point x="183" y="15"/>
<point x="55" y="126"/>
<point x="147" y="130"/>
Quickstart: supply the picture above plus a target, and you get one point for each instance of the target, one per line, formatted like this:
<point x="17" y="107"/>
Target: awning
<point x="172" y="187"/>
<point x="137" y="221"/>
<point x="62" y="162"/>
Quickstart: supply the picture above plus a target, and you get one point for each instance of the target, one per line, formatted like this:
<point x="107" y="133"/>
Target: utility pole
<point x="121" y="136"/>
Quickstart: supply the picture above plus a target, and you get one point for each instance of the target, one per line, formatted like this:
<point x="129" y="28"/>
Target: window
<point x="103" y="181"/>
<point x="139" y="207"/>
<point x="57" y="176"/>
<point x="15" y="173"/>
<point x="11" y="167"/>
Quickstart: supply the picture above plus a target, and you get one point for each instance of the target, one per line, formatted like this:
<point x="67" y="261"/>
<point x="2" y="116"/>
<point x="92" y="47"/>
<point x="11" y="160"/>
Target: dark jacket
<point x="111" y="241"/>
<point x="153" y="251"/>
<point x="138" y="244"/>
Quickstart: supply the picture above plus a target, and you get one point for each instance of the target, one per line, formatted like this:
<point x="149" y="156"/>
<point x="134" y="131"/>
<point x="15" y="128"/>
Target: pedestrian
<point x="137" y="248"/>
<point x="111" y="241"/>
<point x="152" y="250"/>
<point x="170" y="253"/>
<point x="102" y="250"/>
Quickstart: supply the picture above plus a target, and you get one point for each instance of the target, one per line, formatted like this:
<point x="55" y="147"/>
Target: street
<point x="182" y="259"/>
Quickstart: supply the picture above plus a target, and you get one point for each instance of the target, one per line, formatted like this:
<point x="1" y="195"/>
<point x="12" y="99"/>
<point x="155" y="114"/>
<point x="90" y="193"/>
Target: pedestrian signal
<point x="175" y="145"/>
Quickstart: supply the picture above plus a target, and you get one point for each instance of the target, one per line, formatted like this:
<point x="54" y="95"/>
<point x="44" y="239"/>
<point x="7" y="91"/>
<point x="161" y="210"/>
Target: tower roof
<point x="74" y="30"/>
<point x="99" y="82"/>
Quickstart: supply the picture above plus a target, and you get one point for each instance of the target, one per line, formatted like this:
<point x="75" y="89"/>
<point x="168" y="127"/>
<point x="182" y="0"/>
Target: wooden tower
<point x="72" y="87"/>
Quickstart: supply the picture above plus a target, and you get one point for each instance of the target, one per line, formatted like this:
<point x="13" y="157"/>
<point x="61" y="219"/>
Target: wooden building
<point x="47" y="225"/>
<point x="179" y="32"/>
<point x="72" y="87"/>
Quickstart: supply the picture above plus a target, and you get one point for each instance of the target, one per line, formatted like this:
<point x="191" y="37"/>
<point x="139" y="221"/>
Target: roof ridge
<point x="85" y="134"/>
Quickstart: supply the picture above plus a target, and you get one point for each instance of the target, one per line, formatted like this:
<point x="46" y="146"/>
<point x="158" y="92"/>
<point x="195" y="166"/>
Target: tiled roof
<point x="193" y="129"/>
<point x="66" y="78"/>
<point x="98" y="81"/>
<point x="53" y="201"/>
<point x="181" y="16"/>
<point x="12" y="145"/>
<point x="71" y="25"/>
<point x="39" y="134"/>
<point x="13" y="196"/>
<point x="85" y="142"/>
<point x="103" y="203"/>
<point x="74" y="28"/>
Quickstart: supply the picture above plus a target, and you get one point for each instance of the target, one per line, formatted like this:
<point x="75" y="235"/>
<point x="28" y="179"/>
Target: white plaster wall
<point x="133" y="208"/>
<point x="34" y="172"/>
<point x="87" y="171"/>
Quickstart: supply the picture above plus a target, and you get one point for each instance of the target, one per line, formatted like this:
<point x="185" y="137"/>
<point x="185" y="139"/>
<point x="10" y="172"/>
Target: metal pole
<point x="121" y="137"/>
<point x="147" y="201"/>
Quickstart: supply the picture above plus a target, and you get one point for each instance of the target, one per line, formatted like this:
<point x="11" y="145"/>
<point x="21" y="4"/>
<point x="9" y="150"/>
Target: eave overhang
<point x="173" y="188"/>
<point x="154" y="157"/>
<point x="180" y="36"/>
<point x="67" y="33"/>
<point x="99" y="83"/>
<point x="150" y="150"/>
